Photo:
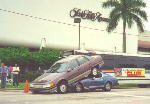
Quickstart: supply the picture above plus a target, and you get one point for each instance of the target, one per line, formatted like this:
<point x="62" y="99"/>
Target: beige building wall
<point x="27" y="31"/>
<point x="145" y="36"/>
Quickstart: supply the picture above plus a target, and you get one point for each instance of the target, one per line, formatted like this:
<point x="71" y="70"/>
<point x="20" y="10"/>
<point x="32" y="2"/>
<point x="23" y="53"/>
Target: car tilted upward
<point x="101" y="81"/>
<point x="65" y="72"/>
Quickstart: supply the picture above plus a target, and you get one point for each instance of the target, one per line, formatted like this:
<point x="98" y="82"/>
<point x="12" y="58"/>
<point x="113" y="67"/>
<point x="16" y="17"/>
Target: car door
<point x="88" y="82"/>
<point x="84" y="65"/>
<point x="73" y="70"/>
<point x="98" y="81"/>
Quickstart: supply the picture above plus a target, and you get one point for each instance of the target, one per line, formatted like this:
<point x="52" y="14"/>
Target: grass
<point x="128" y="85"/>
<point x="21" y="85"/>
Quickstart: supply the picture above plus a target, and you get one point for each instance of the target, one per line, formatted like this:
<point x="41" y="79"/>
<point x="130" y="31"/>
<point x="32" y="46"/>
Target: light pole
<point x="43" y="42"/>
<point x="78" y="20"/>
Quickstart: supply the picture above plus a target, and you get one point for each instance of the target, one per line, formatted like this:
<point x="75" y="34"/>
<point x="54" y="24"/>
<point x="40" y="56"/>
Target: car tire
<point x="62" y="87"/>
<point x="94" y="71"/>
<point x="79" y="87"/>
<point x="107" y="86"/>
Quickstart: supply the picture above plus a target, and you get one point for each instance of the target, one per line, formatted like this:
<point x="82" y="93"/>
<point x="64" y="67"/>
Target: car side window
<point x="99" y="75"/>
<point x="82" y="60"/>
<point x="105" y="75"/>
<point x="73" y="64"/>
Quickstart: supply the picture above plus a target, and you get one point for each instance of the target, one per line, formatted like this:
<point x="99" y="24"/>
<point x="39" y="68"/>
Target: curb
<point x="124" y="87"/>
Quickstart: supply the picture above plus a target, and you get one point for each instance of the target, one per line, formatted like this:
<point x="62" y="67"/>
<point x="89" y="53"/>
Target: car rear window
<point x="73" y="64"/>
<point x="58" y="68"/>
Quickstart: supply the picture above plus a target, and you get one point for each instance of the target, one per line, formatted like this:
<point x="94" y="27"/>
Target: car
<point x="65" y="72"/>
<point x="101" y="81"/>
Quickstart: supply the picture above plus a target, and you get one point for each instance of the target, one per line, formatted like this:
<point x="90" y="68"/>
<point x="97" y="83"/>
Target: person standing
<point x="3" y="71"/>
<point x="15" y="72"/>
<point x="11" y="74"/>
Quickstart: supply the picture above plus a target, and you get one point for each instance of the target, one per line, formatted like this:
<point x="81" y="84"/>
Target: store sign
<point x="87" y="14"/>
<point x="130" y="72"/>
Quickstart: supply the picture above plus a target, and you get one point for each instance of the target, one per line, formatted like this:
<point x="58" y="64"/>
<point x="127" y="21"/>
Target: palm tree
<point x="130" y="11"/>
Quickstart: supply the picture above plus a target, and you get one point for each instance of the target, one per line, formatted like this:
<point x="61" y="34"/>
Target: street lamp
<point x="43" y="42"/>
<point x="78" y="20"/>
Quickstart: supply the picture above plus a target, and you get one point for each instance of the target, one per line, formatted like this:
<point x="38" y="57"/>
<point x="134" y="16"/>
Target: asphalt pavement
<point x="116" y="96"/>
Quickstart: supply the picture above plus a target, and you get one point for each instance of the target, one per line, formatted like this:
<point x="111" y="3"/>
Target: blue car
<point x="101" y="81"/>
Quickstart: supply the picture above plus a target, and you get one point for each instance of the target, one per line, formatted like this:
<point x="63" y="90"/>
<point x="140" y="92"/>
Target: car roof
<point x="69" y="58"/>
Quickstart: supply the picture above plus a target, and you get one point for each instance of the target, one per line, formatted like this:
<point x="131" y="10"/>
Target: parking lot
<point x="116" y="96"/>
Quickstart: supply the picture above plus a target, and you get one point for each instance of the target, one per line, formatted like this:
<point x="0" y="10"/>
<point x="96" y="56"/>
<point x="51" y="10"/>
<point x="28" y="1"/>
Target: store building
<point x="144" y="43"/>
<point x="23" y="24"/>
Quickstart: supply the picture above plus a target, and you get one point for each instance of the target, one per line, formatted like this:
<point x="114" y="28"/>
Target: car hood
<point x="47" y="77"/>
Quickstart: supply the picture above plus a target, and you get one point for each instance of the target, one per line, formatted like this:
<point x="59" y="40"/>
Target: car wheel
<point x="79" y="87"/>
<point x="94" y="71"/>
<point x="107" y="86"/>
<point x="62" y="87"/>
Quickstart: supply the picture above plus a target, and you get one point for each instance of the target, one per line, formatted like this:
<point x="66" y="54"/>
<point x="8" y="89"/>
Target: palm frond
<point x="137" y="3"/>
<point x="110" y="3"/>
<point x="129" y="10"/>
<point x="115" y="11"/>
<point x="129" y="20"/>
<point x="134" y="3"/>
<point x="113" y="22"/>
<point x="138" y="22"/>
<point x="140" y="13"/>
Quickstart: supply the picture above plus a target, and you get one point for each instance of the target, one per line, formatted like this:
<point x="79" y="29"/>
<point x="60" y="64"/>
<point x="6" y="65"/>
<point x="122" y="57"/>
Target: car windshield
<point x="57" y="68"/>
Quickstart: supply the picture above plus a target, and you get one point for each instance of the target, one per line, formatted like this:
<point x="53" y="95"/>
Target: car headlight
<point x="46" y="85"/>
<point x="51" y="84"/>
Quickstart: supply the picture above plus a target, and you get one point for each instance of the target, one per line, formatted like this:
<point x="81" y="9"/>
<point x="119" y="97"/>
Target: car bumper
<point x="48" y="89"/>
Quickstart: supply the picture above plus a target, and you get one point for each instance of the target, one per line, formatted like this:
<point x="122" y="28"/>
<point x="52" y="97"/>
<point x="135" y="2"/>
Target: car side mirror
<point x="69" y="70"/>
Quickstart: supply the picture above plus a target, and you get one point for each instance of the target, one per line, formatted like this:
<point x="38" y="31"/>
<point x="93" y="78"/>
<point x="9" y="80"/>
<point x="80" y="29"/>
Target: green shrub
<point x="27" y="59"/>
<point x="28" y="75"/>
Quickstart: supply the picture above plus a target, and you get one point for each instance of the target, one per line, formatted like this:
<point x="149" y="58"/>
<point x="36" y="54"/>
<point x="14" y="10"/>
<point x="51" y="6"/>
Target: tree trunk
<point x="124" y="36"/>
